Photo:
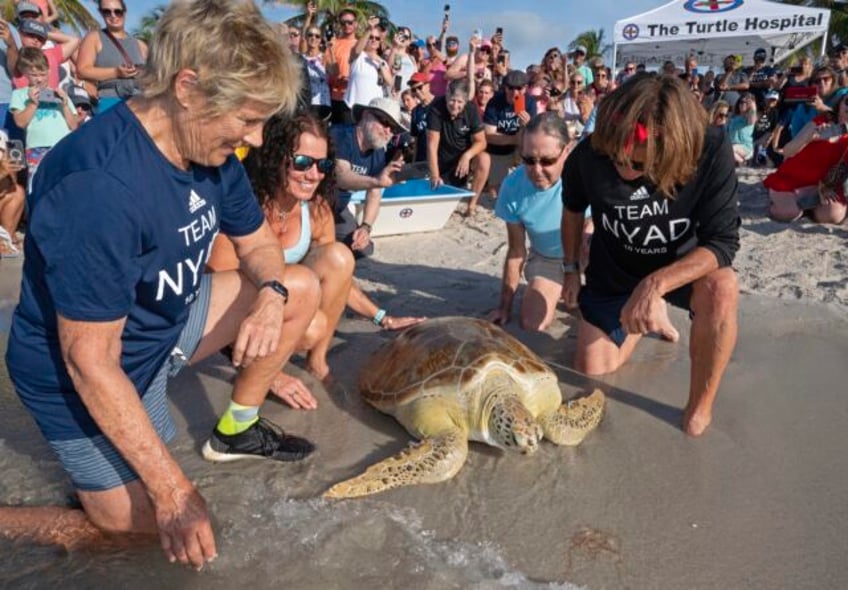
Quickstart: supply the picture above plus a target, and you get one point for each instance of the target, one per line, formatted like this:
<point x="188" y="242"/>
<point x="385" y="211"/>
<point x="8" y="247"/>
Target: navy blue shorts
<point x="604" y="311"/>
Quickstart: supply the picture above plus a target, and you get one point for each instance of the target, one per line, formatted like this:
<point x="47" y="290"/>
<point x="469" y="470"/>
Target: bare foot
<point x="469" y="212"/>
<point x="695" y="423"/>
<point x="293" y="392"/>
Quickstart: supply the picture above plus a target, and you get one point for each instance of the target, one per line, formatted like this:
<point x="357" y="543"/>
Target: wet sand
<point x="758" y="502"/>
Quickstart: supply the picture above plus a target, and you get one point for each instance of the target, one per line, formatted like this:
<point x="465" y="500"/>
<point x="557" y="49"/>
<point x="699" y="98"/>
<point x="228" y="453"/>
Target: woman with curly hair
<point x="292" y="176"/>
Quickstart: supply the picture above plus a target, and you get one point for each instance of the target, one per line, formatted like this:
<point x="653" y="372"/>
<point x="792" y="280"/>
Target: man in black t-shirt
<point x="456" y="142"/>
<point x="663" y="194"/>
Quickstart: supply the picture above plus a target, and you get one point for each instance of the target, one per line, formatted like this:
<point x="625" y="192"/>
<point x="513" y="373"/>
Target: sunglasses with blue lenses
<point x="301" y="163"/>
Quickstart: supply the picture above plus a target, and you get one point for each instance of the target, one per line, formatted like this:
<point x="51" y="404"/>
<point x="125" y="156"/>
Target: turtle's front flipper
<point x="572" y="421"/>
<point x="433" y="460"/>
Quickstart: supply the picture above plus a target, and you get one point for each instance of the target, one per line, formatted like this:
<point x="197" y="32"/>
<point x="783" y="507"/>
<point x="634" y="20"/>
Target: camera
<point x="48" y="96"/>
<point x="833" y="130"/>
<point x="499" y="31"/>
<point x="553" y="92"/>
<point x="447" y="10"/>
<point x="15" y="152"/>
<point x="328" y="33"/>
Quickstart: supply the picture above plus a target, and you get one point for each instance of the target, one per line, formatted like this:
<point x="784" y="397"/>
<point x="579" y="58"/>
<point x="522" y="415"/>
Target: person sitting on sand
<point x="662" y="187"/>
<point x="361" y="165"/>
<point x="290" y="174"/>
<point x="809" y="156"/>
<point x="114" y="300"/>
<point x="530" y="202"/>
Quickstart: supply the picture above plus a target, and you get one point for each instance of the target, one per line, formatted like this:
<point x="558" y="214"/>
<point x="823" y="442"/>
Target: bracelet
<point x="365" y="225"/>
<point x="377" y="320"/>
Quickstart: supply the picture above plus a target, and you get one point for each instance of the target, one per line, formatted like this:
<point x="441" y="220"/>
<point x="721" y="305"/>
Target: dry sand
<point x="759" y="502"/>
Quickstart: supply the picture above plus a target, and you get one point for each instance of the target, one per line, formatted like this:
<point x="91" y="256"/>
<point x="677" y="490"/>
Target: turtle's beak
<point x="527" y="437"/>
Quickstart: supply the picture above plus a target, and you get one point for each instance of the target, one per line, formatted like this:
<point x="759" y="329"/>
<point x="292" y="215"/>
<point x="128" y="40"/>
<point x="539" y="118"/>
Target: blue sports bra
<point x="298" y="252"/>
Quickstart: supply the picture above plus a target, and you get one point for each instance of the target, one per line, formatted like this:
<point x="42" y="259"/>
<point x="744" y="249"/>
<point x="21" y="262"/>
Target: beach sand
<point x="758" y="502"/>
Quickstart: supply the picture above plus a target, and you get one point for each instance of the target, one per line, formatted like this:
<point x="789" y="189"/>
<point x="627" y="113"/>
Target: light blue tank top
<point x="298" y="252"/>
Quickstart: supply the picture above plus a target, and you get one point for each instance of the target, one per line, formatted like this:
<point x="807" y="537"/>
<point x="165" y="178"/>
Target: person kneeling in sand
<point x="291" y="173"/>
<point x="662" y="187"/>
<point x="530" y="202"/>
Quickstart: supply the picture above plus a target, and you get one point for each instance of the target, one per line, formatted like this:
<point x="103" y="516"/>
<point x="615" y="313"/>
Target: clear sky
<point x="530" y="28"/>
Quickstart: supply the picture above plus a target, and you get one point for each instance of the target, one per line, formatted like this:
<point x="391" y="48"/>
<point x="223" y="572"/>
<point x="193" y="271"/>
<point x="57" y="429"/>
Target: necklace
<point x="276" y="212"/>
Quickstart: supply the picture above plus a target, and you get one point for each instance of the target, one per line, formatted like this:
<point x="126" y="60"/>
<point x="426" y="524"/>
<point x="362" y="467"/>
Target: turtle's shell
<point x="441" y="354"/>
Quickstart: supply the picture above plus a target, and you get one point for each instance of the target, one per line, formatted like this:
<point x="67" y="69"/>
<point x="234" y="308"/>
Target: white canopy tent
<point x="714" y="29"/>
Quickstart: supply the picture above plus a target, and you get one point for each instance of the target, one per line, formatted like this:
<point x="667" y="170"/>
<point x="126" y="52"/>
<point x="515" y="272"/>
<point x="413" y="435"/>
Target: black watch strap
<point x="278" y="287"/>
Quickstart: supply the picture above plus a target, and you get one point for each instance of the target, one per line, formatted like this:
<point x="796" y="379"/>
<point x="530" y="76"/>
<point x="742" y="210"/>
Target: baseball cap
<point x="24" y="7"/>
<point x="419" y="78"/>
<point x="385" y="106"/>
<point x="515" y="78"/>
<point x="772" y="95"/>
<point x="761" y="52"/>
<point x="581" y="49"/>
<point x="79" y="96"/>
<point x="32" y="27"/>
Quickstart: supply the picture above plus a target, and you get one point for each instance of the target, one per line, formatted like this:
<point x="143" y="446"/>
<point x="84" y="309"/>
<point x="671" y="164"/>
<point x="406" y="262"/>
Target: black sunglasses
<point x="528" y="161"/>
<point x="531" y="161"/>
<point x="347" y="22"/>
<point x="302" y="163"/>
<point x="112" y="11"/>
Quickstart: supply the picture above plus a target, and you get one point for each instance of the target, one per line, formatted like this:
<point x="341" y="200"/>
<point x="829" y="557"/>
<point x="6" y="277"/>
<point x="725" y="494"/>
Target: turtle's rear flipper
<point x="433" y="460"/>
<point x="572" y="421"/>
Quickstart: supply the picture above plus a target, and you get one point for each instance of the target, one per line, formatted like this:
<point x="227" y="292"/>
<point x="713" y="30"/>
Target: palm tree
<point x="328" y="9"/>
<point x="148" y="23"/>
<point x="838" y="29"/>
<point x="593" y="41"/>
<point x="72" y="13"/>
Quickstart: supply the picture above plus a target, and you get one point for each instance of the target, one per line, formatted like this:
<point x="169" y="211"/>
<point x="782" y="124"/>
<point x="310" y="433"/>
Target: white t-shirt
<point x="364" y="84"/>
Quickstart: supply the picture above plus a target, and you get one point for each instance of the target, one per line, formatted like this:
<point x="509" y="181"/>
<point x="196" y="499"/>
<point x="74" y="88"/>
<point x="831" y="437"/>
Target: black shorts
<point x="604" y="311"/>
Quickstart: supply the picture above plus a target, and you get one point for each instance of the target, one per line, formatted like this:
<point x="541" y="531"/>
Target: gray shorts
<point x="93" y="464"/>
<point x="539" y="266"/>
<point x="500" y="167"/>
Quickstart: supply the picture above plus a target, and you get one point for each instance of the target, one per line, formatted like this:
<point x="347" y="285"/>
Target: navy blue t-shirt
<point x="501" y="114"/>
<point x="364" y="163"/>
<point x="116" y="231"/>
<point x="418" y="130"/>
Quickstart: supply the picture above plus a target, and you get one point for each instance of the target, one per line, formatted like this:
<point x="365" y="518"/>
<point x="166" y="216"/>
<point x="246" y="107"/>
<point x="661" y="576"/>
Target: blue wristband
<point x="378" y="317"/>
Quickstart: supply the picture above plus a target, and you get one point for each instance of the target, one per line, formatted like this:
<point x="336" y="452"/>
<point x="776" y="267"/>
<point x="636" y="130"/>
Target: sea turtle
<point x="453" y="379"/>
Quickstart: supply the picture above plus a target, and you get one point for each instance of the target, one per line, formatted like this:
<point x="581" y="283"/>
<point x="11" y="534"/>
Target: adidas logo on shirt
<point x="195" y="202"/>
<point x="640" y="194"/>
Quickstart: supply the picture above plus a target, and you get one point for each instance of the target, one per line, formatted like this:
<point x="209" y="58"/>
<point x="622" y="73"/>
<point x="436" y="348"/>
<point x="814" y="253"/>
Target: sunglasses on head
<point x="112" y="11"/>
<point x="302" y="163"/>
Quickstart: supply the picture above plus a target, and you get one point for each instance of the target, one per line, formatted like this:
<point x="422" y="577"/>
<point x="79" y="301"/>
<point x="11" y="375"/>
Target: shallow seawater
<point x="272" y="529"/>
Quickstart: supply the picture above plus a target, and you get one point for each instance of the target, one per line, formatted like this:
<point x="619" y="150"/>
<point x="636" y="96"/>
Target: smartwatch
<point x="278" y="287"/>
<point x="570" y="268"/>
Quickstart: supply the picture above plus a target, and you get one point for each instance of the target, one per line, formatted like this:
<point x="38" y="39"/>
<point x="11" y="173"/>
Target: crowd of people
<point x="150" y="246"/>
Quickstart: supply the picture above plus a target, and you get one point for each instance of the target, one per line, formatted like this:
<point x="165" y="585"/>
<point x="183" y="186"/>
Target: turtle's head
<point x="512" y="427"/>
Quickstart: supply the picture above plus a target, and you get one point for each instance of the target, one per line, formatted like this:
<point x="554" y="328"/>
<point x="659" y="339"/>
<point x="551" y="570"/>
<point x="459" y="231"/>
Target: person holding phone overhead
<point x="111" y="59"/>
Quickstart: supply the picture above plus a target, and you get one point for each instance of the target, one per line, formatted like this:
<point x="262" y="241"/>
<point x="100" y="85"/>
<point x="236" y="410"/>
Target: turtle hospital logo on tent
<point x="727" y="25"/>
<point x="712" y="6"/>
